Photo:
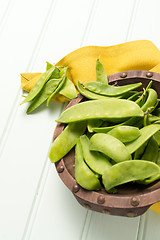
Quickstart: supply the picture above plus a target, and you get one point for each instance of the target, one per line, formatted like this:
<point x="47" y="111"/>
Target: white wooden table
<point x="34" y="203"/>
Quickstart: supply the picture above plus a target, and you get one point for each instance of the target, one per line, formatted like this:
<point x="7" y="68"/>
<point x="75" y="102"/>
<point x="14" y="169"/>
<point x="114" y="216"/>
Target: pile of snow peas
<point x="115" y="132"/>
<point x="53" y="81"/>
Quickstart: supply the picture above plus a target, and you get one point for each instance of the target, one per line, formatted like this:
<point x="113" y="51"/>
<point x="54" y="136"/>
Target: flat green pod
<point x="110" y="90"/>
<point x="146" y="133"/>
<point x="66" y="141"/>
<point x="95" y="160"/>
<point x="83" y="174"/>
<point x="125" y="133"/>
<point x="112" y="109"/>
<point x="129" y="171"/>
<point x="110" y="146"/>
<point x="151" y="150"/>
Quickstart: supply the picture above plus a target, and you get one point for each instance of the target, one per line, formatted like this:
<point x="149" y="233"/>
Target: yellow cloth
<point x="81" y="63"/>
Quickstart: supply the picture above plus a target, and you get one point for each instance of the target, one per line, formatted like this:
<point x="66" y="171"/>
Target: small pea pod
<point x="68" y="89"/>
<point x="146" y="133"/>
<point x="149" y="179"/>
<point x="46" y="91"/>
<point x="61" y="83"/>
<point x="130" y="122"/>
<point x="151" y="150"/>
<point x="157" y="137"/>
<point x="66" y="141"/>
<point x="100" y="73"/>
<point x="95" y="160"/>
<point x="109" y="90"/>
<point x="151" y="100"/>
<point x="110" y="146"/>
<point x="56" y="72"/>
<point x="88" y="94"/>
<point x="125" y="133"/>
<point x="39" y="85"/>
<point x="93" y="123"/>
<point x="112" y="109"/>
<point x="83" y="174"/>
<point x="129" y="171"/>
<point x="139" y="152"/>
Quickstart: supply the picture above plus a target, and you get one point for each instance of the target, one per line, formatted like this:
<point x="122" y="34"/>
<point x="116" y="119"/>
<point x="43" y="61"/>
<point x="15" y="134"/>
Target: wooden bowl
<point x="131" y="199"/>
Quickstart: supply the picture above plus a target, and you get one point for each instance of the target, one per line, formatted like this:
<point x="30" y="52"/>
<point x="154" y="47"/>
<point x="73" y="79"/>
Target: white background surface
<point x="34" y="203"/>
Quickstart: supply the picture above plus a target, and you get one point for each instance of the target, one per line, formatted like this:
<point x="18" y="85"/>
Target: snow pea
<point x="151" y="150"/>
<point x="100" y="73"/>
<point x="83" y="174"/>
<point x="146" y="133"/>
<point x="110" y="146"/>
<point x="68" y="89"/>
<point x="109" y="90"/>
<point x="129" y="122"/>
<point x="56" y="72"/>
<point x="125" y="133"/>
<point x="139" y="152"/>
<point x="46" y="91"/>
<point x="157" y="137"/>
<point x="112" y="109"/>
<point x="39" y="85"/>
<point x="129" y="171"/>
<point x="135" y="96"/>
<point x="149" y="179"/>
<point x="88" y="94"/>
<point x="93" y="123"/>
<point x="151" y="100"/>
<point x="95" y="160"/>
<point x="66" y="140"/>
<point x="61" y="83"/>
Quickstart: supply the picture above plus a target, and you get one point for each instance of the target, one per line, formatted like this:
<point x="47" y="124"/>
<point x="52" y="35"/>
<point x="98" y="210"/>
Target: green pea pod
<point x="63" y="79"/>
<point x="101" y="75"/>
<point x="135" y="96"/>
<point x="39" y="85"/>
<point x="151" y="150"/>
<point x="129" y="122"/>
<point x="95" y="160"/>
<point x="151" y="100"/>
<point x="46" y="91"/>
<point x="109" y="90"/>
<point x="66" y="141"/>
<point x="83" y="174"/>
<point x="149" y="179"/>
<point x="129" y="171"/>
<point x="68" y="89"/>
<point x="110" y="146"/>
<point x="125" y="133"/>
<point x="157" y="137"/>
<point x="56" y="73"/>
<point x="112" y="109"/>
<point x="139" y="152"/>
<point x="146" y="133"/>
<point x="93" y="123"/>
<point x="88" y="94"/>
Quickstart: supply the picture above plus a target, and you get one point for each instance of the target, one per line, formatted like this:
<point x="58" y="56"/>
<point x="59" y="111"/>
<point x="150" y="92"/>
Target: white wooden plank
<point x="107" y="227"/>
<point x="18" y="38"/>
<point x="150" y="228"/>
<point x="24" y="162"/>
<point x="144" y="26"/>
<point x="110" y="23"/>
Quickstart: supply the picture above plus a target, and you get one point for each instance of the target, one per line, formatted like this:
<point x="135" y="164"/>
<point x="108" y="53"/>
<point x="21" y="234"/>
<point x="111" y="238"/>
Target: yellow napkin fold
<point x="81" y="63"/>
